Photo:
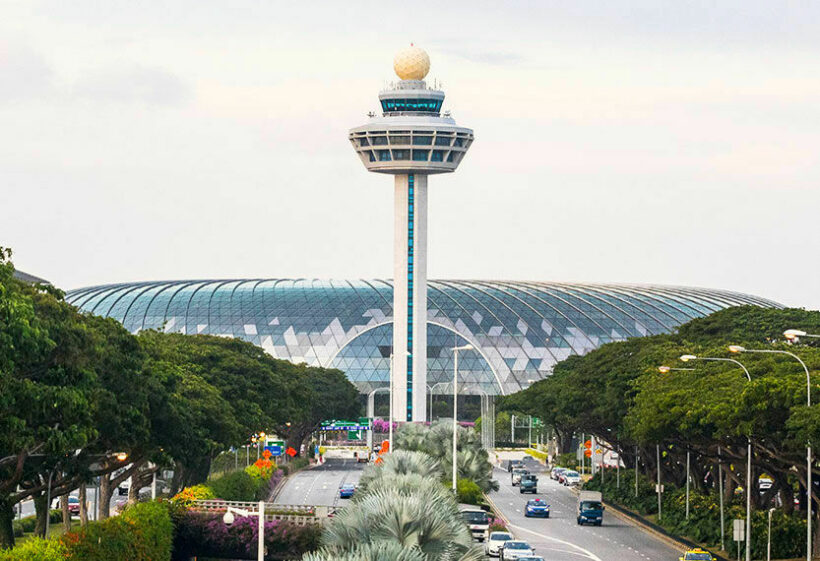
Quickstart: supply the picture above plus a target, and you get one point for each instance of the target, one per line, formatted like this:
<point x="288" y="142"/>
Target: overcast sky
<point x="664" y="142"/>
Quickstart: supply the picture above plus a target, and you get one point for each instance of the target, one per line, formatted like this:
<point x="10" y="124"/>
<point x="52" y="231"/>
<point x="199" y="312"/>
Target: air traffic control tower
<point x="411" y="140"/>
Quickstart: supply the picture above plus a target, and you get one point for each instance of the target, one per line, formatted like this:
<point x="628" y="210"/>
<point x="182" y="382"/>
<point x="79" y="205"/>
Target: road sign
<point x="587" y="453"/>
<point x="739" y="530"/>
<point x="659" y="488"/>
<point x="290" y="451"/>
<point x="588" y="444"/>
<point x="354" y="435"/>
<point x="275" y="447"/>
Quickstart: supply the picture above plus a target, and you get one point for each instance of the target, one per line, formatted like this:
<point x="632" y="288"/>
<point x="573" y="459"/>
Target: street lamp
<point x="687" y="358"/>
<point x="228" y="519"/>
<point x="769" y="542"/>
<point x="795" y="334"/>
<point x="667" y="369"/>
<point x="455" y="409"/>
<point x="740" y="349"/>
<point x="430" y="392"/>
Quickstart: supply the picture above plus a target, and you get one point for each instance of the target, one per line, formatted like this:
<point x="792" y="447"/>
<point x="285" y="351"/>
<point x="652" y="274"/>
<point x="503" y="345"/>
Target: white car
<point x="496" y="542"/>
<point x="516" y="549"/>
<point x="572" y="478"/>
<point x="515" y="478"/>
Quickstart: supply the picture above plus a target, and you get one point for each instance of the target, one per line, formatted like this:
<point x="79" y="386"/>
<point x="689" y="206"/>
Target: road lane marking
<point x="588" y="553"/>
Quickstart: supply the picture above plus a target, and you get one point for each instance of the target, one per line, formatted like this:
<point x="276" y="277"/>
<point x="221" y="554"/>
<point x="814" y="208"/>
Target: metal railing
<point x="301" y="515"/>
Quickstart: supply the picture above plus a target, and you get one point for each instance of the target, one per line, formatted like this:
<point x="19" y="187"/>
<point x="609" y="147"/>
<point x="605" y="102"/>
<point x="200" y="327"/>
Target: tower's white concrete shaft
<point x="411" y="140"/>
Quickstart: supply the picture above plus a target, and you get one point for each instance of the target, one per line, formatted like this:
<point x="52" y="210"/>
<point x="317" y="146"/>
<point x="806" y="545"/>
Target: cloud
<point x="133" y="83"/>
<point x="24" y="74"/>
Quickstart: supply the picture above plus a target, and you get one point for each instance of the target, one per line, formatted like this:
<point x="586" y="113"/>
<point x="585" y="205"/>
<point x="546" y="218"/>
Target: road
<point x="320" y="485"/>
<point x="559" y="538"/>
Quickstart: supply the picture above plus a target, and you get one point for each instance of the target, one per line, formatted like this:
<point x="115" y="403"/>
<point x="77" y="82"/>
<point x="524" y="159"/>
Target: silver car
<point x="516" y="549"/>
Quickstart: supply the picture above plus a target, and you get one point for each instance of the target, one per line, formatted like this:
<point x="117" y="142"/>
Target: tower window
<point x="379" y="140"/>
<point x="443" y="140"/>
<point x="422" y="140"/>
<point x="420" y="155"/>
<point x="384" y="155"/>
<point x="438" y="156"/>
<point x="399" y="140"/>
<point x="401" y="154"/>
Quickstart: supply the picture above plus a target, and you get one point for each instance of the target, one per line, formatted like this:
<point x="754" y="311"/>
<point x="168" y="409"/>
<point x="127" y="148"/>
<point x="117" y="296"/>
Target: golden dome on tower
<point x="411" y="63"/>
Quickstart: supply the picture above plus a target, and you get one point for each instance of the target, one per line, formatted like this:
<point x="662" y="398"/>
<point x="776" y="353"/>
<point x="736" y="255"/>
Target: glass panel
<point x="422" y="140"/>
<point x="379" y="140"/>
<point x="443" y="140"/>
<point x="399" y="140"/>
<point x="438" y="156"/>
<point x="401" y="154"/>
<point x="384" y="155"/>
<point x="420" y="155"/>
<point x="363" y="141"/>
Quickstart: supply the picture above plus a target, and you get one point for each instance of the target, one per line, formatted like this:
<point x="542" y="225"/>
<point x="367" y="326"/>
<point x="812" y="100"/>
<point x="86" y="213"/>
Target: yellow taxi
<point x="697" y="554"/>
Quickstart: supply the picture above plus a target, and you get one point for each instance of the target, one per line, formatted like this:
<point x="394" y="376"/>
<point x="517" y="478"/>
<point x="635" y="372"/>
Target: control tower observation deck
<point x="410" y="140"/>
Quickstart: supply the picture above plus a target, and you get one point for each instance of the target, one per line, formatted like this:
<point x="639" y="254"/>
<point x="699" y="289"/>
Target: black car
<point x="512" y="464"/>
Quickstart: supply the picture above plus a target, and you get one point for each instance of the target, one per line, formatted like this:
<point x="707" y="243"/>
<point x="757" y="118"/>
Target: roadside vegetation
<point x="618" y="394"/>
<point x="404" y="507"/>
<point x="83" y="400"/>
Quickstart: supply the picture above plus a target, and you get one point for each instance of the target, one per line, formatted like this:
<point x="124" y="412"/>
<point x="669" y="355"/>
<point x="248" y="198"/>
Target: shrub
<point x="236" y="486"/>
<point x="469" y="492"/>
<point x="567" y="460"/>
<point x="703" y="525"/>
<point x="537" y="454"/>
<point x="36" y="549"/>
<point x="498" y="525"/>
<point x="207" y="535"/>
<point x="187" y="496"/>
<point x="143" y="532"/>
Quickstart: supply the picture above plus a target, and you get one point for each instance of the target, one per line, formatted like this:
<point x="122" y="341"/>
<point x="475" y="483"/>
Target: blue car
<point x="346" y="491"/>
<point x="537" y="507"/>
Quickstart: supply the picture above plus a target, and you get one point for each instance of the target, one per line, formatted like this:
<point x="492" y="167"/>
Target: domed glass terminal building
<point x="519" y="329"/>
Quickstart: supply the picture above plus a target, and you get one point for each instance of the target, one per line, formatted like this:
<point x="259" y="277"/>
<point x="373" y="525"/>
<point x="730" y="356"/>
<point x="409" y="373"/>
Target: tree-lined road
<point x="320" y="485"/>
<point x="559" y="538"/>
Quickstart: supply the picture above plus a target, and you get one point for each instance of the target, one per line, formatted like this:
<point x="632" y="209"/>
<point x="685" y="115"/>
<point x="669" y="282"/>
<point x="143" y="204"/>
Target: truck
<point x="477" y="520"/>
<point x="528" y="483"/>
<point x="590" y="508"/>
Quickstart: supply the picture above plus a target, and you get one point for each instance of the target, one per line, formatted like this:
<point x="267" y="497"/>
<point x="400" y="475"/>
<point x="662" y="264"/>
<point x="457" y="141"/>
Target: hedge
<point x="703" y="525"/>
<point x="469" y="492"/>
<point x="143" y="532"/>
<point x="207" y="535"/>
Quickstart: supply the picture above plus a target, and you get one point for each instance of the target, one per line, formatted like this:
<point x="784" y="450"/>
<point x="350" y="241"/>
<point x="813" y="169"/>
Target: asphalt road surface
<point x="559" y="538"/>
<point x="320" y="485"/>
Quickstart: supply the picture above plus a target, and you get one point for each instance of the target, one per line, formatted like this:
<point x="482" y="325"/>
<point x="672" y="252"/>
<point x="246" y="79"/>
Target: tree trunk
<point x="104" y="500"/>
<point x="134" y="490"/>
<point x="6" y="526"/>
<point x="66" y="512"/>
<point x="83" y="496"/>
<point x="42" y="510"/>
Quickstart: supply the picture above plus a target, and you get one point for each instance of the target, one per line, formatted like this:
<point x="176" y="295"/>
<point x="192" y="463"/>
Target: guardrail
<point x="301" y="515"/>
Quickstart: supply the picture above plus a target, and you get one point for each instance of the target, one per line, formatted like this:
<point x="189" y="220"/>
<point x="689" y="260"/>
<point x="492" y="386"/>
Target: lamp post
<point x="430" y="391"/>
<point x="769" y="541"/>
<point x="455" y="410"/>
<point x="687" y="358"/>
<point x="790" y="334"/>
<point x="228" y="519"/>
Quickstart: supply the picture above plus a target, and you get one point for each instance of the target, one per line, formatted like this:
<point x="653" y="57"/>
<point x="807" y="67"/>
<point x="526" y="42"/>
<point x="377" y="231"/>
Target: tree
<point x="323" y="394"/>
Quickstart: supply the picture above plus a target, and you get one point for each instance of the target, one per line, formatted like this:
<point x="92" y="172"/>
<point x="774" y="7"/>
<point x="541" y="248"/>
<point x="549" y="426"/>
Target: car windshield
<point x="595" y="505"/>
<point x="500" y="536"/>
<point x="528" y="477"/>
<point x="569" y="473"/>
<point x="517" y="545"/>
<point x="348" y="487"/>
<point x="698" y="557"/>
<point x="535" y="502"/>
<point x="475" y="517"/>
